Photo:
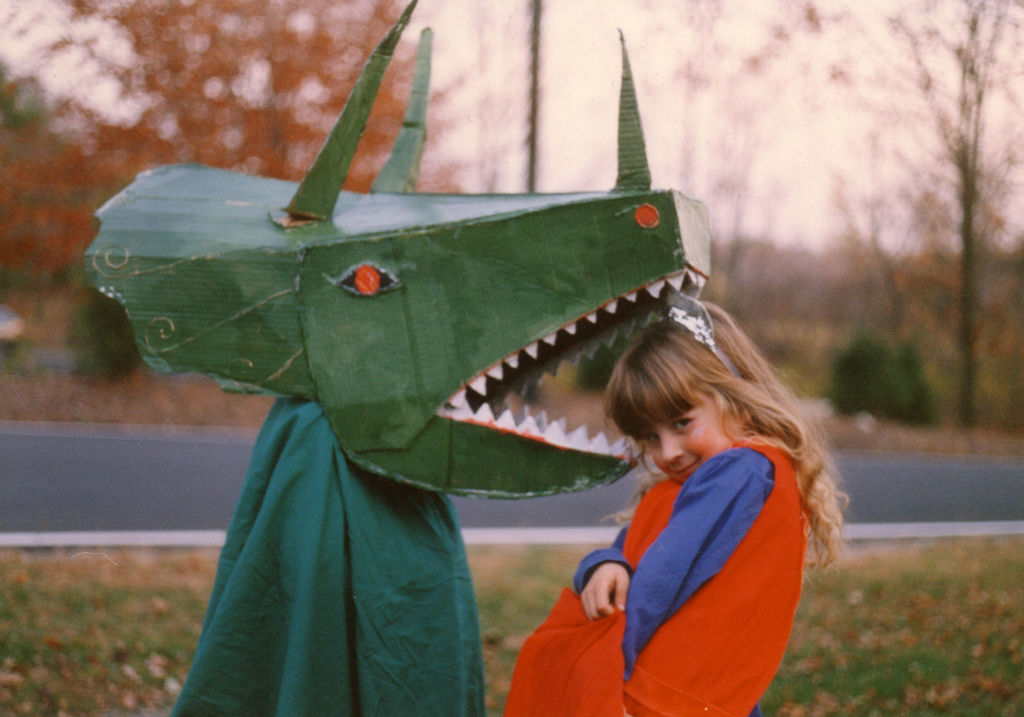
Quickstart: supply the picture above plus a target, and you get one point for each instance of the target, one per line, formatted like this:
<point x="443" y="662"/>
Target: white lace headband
<point x="693" y="316"/>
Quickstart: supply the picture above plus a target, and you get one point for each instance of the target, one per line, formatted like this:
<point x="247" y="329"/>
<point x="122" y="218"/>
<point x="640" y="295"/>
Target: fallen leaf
<point x="129" y="701"/>
<point x="172" y="685"/>
<point x="157" y="665"/>
<point x="11" y="679"/>
<point x="160" y="606"/>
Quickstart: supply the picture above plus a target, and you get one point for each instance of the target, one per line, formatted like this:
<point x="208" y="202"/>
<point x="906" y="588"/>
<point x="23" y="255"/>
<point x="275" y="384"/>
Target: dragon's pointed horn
<point x="318" y="192"/>
<point x="402" y="169"/>
<point x="634" y="172"/>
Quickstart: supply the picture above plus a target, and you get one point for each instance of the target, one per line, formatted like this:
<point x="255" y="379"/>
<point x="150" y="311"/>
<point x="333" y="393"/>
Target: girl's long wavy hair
<point x="665" y="372"/>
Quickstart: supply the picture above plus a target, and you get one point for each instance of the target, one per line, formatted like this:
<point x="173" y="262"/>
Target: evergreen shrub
<point x="870" y="376"/>
<point x="593" y="372"/>
<point x="103" y="339"/>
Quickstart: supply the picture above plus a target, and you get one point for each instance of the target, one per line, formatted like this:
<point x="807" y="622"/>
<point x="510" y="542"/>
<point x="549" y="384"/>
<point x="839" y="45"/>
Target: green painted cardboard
<point x="412" y="318"/>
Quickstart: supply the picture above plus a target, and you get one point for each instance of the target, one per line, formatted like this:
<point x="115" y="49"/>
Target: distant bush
<point x="868" y="375"/>
<point x="917" y="396"/>
<point x="103" y="338"/>
<point x="593" y="372"/>
<point x="863" y="376"/>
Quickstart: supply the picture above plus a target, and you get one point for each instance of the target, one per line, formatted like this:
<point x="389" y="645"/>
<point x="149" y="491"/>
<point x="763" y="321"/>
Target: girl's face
<point x="680" y="445"/>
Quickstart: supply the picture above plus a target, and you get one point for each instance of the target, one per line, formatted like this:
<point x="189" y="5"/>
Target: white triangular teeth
<point x="479" y="384"/>
<point x="462" y="413"/>
<point x="457" y="408"/>
<point x="538" y="427"/>
<point x="555" y="434"/>
<point x="458" y="400"/>
<point x="484" y="414"/>
<point x="497" y="372"/>
<point x="506" y="421"/>
<point x="579" y="439"/>
<point x="516" y="377"/>
<point x="529" y="427"/>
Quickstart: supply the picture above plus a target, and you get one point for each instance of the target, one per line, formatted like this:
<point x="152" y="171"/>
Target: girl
<point x="690" y="609"/>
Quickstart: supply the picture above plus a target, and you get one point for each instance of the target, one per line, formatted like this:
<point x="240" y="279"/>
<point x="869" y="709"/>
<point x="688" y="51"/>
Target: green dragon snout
<point x="422" y="323"/>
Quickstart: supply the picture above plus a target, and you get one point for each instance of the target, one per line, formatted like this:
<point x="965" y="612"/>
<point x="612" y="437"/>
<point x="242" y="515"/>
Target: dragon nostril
<point x="647" y="216"/>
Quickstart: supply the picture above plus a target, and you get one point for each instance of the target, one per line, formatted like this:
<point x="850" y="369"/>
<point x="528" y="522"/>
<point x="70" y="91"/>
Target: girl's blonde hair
<point x="665" y="372"/>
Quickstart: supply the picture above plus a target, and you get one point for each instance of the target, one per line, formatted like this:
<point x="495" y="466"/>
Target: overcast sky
<point x="787" y="134"/>
<point x="764" y="150"/>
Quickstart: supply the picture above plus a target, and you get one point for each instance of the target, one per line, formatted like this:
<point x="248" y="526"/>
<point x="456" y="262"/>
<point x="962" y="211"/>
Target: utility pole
<point x="531" y="139"/>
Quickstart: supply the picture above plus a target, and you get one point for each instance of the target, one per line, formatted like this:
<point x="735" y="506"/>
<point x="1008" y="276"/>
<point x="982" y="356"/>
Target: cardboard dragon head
<point x="416" y="320"/>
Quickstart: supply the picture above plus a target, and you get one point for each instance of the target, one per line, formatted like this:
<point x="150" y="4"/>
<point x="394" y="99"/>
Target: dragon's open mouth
<point x="506" y="396"/>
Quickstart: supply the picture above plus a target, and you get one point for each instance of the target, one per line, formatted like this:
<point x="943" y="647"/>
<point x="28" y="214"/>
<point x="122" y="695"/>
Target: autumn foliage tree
<point x="247" y="85"/>
<point x="48" y="185"/>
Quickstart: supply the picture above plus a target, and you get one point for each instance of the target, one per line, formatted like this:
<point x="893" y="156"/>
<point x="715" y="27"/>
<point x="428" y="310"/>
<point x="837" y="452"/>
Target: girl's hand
<point x="606" y="590"/>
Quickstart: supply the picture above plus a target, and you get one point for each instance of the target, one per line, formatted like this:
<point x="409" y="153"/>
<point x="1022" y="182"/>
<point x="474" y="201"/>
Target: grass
<point x="84" y="633"/>
<point x="920" y="629"/>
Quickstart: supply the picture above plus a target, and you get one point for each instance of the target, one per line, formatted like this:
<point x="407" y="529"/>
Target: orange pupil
<point x="367" y="279"/>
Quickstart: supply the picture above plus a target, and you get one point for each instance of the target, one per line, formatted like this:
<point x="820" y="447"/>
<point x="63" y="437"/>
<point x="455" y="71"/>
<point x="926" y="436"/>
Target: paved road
<point x="85" y="478"/>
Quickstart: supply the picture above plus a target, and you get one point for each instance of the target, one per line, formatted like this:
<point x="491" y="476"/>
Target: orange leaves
<point x="239" y="84"/>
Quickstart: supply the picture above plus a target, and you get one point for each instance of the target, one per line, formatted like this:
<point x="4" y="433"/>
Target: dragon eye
<point x="367" y="280"/>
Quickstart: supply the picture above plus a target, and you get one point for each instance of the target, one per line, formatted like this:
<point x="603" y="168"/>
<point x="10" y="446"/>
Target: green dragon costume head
<point x="416" y="320"/>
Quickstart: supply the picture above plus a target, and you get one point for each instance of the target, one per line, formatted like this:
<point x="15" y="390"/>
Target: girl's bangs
<point x="655" y="393"/>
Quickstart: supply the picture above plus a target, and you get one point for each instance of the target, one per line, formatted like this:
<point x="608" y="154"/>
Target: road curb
<point x="486" y="536"/>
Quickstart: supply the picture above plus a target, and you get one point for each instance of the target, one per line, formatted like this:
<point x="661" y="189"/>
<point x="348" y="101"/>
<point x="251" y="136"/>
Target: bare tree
<point x="962" y="57"/>
<point x="870" y="239"/>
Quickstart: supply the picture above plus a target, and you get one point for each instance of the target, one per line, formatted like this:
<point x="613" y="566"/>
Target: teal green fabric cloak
<point x="338" y="592"/>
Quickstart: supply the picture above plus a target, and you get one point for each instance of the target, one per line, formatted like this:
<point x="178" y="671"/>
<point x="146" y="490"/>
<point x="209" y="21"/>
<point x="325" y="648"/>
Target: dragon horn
<point x="402" y="169"/>
<point x="634" y="172"/>
<point x="318" y="192"/>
